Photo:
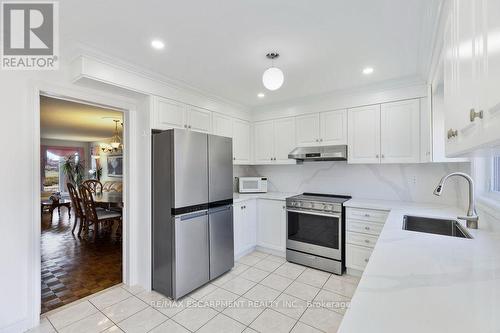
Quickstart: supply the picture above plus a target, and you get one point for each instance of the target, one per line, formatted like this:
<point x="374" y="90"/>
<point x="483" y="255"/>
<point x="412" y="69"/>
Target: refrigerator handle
<point x="220" y="209"/>
<point x="189" y="216"/>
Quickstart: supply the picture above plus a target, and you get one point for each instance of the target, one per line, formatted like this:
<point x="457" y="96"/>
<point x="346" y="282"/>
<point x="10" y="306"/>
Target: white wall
<point x="406" y="182"/>
<point x="18" y="122"/>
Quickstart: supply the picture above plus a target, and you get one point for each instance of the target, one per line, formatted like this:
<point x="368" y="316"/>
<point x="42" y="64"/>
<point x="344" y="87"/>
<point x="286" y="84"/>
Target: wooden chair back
<point x="75" y="200"/>
<point x="94" y="185"/>
<point x="88" y="204"/>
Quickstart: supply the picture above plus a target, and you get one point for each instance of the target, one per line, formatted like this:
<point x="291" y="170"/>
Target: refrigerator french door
<point x="316" y="233"/>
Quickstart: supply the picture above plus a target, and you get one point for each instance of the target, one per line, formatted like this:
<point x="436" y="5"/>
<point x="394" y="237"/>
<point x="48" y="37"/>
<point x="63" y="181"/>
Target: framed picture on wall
<point x="115" y="166"/>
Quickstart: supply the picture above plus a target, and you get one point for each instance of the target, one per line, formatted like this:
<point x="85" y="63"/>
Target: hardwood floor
<point x="73" y="267"/>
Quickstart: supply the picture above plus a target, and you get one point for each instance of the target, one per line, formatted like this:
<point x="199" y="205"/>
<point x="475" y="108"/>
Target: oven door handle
<point x="313" y="213"/>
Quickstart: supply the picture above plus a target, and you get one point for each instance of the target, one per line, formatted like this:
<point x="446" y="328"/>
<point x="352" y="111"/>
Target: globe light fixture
<point x="273" y="77"/>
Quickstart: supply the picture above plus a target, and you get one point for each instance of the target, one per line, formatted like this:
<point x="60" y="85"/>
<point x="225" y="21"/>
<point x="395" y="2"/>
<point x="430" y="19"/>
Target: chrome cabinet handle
<point x="383" y="156"/>
<point x="320" y="140"/>
<point x="367" y="228"/>
<point x="189" y="126"/>
<point x="377" y="156"/>
<point x="473" y="115"/>
<point x="366" y="259"/>
<point x="452" y="133"/>
<point x="185" y="126"/>
<point x="367" y="215"/>
<point x="367" y="241"/>
<point x="234" y="158"/>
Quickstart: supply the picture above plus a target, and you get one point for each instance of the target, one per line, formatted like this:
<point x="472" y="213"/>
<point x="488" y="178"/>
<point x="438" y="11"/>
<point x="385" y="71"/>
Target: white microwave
<point x="252" y="185"/>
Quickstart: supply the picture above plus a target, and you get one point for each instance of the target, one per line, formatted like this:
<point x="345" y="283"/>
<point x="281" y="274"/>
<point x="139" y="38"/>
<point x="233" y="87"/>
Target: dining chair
<point x="93" y="216"/>
<point x="94" y="185"/>
<point x="77" y="203"/>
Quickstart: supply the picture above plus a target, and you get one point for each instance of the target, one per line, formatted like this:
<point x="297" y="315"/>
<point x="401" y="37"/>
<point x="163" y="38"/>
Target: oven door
<point x="315" y="233"/>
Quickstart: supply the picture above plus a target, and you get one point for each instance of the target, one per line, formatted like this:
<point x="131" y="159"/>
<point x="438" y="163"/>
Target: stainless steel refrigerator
<point x="192" y="211"/>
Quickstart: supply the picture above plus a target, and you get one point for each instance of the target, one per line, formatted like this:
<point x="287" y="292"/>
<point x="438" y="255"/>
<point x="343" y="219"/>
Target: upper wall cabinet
<point x="472" y="75"/>
<point x="400" y="132"/>
<point x="322" y="129"/>
<point x="241" y="141"/>
<point x="171" y="114"/>
<point x="364" y="134"/>
<point x="273" y="140"/>
<point x="387" y="133"/>
<point x="222" y="125"/>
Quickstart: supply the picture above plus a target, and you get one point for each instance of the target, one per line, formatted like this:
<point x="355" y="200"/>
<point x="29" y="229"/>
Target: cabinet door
<point x="250" y="226"/>
<point x="284" y="139"/>
<point x="222" y="125"/>
<point x="364" y="134"/>
<point x="264" y="142"/>
<point x="199" y="119"/>
<point x="238" y="229"/>
<point x="400" y="132"/>
<point x="307" y="130"/>
<point x="271" y="226"/>
<point x="170" y="114"/>
<point x="333" y="127"/>
<point x="241" y="141"/>
<point x="491" y="121"/>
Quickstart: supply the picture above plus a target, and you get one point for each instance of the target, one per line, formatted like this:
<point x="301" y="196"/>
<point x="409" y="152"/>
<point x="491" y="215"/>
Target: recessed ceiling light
<point x="157" y="44"/>
<point x="367" y="70"/>
<point x="261" y="95"/>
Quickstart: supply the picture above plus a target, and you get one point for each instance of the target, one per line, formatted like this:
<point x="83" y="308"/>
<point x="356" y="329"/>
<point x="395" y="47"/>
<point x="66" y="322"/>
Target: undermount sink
<point x="435" y="226"/>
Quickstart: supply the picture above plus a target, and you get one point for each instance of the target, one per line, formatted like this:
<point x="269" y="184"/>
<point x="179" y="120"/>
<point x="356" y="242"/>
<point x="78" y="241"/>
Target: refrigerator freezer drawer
<point x="221" y="240"/>
<point x="191" y="253"/>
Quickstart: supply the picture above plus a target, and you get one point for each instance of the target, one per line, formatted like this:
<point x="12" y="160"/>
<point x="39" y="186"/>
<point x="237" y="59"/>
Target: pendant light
<point x="273" y="77"/>
<point x="116" y="140"/>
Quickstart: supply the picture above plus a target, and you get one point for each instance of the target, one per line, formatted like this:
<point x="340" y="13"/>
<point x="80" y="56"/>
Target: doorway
<point x="82" y="189"/>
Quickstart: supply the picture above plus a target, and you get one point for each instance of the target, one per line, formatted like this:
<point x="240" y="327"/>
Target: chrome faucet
<point x="471" y="217"/>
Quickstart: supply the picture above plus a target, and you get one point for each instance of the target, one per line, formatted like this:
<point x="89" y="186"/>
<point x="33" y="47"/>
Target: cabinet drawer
<point x="364" y="227"/>
<point x="357" y="256"/>
<point x="361" y="239"/>
<point x="370" y="215"/>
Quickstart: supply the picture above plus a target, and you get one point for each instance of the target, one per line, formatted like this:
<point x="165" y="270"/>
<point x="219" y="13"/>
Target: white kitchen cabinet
<point x="241" y="141"/>
<point x="264" y="142"/>
<point x="244" y="227"/>
<point x="400" y="132"/>
<point x="322" y="129"/>
<point x="363" y="226"/>
<point x="284" y="139"/>
<point x="364" y="134"/>
<point x="271" y="224"/>
<point x="198" y="119"/>
<point x="168" y="114"/>
<point x="333" y="127"/>
<point x="307" y="130"/>
<point x="222" y="125"/>
<point x="273" y="140"/>
<point x="472" y="76"/>
<point x="490" y="132"/>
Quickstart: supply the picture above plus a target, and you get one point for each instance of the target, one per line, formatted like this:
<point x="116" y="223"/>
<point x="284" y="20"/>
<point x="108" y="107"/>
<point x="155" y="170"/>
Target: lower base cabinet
<point x="271" y="224"/>
<point x="363" y="228"/>
<point x="244" y="227"/>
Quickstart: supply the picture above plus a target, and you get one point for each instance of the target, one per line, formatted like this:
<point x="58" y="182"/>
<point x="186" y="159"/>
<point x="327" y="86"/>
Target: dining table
<point x="111" y="199"/>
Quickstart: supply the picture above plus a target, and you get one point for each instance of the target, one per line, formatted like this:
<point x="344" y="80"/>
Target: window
<point x="495" y="177"/>
<point x="53" y="177"/>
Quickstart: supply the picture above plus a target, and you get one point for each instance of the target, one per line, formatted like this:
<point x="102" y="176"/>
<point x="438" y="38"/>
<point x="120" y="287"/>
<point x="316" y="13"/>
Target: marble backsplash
<point x="404" y="182"/>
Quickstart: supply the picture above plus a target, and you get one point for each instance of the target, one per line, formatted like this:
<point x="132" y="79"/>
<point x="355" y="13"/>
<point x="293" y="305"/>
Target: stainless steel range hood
<point x="326" y="153"/>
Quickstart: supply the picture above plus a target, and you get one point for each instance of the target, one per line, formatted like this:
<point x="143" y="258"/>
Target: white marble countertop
<point x="418" y="282"/>
<point x="240" y="197"/>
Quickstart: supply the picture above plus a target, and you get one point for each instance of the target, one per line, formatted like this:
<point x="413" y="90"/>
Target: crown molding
<point x="79" y="50"/>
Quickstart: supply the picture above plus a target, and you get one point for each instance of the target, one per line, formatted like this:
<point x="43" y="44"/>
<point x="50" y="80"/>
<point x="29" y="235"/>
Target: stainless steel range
<point x="316" y="231"/>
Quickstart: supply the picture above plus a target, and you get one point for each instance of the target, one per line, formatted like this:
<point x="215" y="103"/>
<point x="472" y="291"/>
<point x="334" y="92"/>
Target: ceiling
<point x="64" y="120"/>
<point x="220" y="46"/>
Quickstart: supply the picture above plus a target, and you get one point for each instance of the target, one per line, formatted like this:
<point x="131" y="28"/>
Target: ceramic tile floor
<point x="262" y="293"/>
